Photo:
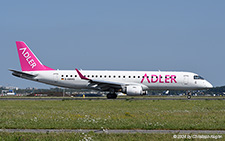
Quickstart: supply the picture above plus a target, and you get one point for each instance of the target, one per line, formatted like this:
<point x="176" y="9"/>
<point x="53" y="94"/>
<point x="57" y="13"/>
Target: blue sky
<point x="115" y="35"/>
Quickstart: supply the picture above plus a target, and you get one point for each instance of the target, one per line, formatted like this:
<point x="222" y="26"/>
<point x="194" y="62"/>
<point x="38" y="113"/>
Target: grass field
<point x="82" y="137"/>
<point x="113" y="114"/>
<point x="102" y="137"/>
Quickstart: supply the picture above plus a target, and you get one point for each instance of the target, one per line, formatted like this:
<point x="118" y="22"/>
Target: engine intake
<point x="134" y="90"/>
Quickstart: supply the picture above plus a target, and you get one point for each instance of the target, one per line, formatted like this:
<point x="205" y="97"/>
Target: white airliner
<point x="129" y="82"/>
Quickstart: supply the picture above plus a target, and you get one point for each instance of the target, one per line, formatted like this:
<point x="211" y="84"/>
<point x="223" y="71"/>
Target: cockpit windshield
<point x="198" y="77"/>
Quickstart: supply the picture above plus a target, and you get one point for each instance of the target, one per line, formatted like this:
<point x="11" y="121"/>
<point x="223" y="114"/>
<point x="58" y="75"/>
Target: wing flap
<point x="100" y="84"/>
<point x="106" y="85"/>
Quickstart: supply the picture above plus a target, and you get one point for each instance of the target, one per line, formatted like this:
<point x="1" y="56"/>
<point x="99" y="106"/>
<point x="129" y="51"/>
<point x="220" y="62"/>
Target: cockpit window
<point x="198" y="77"/>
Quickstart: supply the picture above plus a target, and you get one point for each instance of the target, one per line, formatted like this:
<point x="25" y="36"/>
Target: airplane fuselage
<point x="128" y="82"/>
<point x="157" y="80"/>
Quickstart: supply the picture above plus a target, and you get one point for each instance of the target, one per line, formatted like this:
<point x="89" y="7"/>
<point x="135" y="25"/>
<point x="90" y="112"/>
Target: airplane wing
<point x="22" y="74"/>
<point x="100" y="84"/>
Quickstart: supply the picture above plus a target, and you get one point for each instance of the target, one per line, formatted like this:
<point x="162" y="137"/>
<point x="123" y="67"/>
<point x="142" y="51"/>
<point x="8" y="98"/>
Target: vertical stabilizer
<point x="28" y="61"/>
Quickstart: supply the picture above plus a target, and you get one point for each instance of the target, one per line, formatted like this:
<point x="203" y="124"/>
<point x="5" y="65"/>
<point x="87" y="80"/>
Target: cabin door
<point x="55" y="77"/>
<point x="186" y="79"/>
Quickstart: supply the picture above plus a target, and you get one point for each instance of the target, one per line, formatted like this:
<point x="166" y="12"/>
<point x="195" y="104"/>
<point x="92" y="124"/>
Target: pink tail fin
<point x="28" y="61"/>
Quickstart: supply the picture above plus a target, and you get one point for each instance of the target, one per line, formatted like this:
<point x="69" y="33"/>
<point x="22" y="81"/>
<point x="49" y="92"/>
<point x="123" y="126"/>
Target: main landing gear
<point x="111" y="96"/>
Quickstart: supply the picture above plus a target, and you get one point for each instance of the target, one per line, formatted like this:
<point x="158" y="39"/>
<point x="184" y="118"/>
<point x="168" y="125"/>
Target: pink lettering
<point x="144" y="78"/>
<point x="173" y="77"/>
<point x="152" y="78"/>
<point x="160" y="79"/>
<point x="167" y="78"/>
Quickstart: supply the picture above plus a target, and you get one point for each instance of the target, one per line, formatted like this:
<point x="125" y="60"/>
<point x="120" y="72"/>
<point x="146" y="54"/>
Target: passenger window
<point x="100" y="76"/>
<point x="129" y="76"/>
<point x="62" y="75"/>
<point x="124" y="77"/>
<point x="75" y="75"/>
<point x="134" y="76"/>
<point x="118" y="76"/>
<point x="66" y="75"/>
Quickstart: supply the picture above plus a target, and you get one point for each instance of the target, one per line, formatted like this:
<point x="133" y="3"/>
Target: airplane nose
<point x="208" y="85"/>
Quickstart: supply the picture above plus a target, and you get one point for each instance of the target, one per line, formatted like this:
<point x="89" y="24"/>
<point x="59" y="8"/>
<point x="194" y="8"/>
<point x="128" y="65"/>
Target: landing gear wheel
<point x="189" y="96"/>
<point x="111" y="96"/>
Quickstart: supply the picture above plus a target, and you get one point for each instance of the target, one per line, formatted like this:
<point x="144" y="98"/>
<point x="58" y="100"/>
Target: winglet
<point x="81" y="75"/>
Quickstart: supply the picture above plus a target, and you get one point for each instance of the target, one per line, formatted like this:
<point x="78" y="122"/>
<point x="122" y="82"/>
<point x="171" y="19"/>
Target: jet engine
<point x="134" y="90"/>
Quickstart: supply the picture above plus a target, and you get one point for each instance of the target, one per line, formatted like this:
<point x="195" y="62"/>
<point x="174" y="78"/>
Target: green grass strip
<point x="113" y="114"/>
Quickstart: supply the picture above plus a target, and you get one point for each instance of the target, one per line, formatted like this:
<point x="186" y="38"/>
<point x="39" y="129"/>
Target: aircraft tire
<point x="111" y="96"/>
<point x="189" y="97"/>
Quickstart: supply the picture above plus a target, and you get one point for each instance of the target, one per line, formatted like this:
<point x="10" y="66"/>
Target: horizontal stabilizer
<point x="22" y="74"/>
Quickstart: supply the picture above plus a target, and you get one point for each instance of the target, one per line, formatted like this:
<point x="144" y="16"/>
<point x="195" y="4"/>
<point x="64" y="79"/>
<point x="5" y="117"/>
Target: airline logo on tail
<point x="27" y="56"/>
<point x="28" y="61"/>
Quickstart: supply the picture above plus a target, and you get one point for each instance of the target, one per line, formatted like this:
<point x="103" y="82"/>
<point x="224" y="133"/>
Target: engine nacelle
<point x="134" y="90"/>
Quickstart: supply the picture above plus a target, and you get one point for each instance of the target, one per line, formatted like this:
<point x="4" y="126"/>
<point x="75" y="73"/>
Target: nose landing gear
<point x="188" y="95"/>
